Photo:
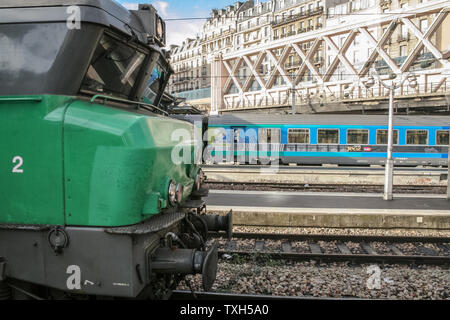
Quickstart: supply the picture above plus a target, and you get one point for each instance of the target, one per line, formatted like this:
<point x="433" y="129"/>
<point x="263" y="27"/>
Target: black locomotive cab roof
<point x="54" y="3"/>
<point x="108" y="13"/>
<point x="42" y="55"/>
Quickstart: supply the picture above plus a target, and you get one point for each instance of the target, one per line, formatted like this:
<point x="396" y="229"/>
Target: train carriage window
<point x="328" y="136"/>
<point x="359" y="136"/>
<point x="298" y="136"/>
<point x="417" y="137"/>
<point x="382" y="136"/>
<point x="442" y="137"/>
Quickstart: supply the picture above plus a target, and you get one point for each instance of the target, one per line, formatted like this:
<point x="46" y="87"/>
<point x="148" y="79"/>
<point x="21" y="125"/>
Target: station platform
<point x="333" y="210"/>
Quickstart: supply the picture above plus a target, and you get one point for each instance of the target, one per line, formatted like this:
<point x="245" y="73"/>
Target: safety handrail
<point x="106" y="98"/>
<point x="21" y="99"/>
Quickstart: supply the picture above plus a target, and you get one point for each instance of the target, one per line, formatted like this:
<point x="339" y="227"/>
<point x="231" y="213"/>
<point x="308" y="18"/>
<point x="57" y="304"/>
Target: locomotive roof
<point x="52" y="3"/>
<point x="104" y="12"/>
<point x="327" y="119"/>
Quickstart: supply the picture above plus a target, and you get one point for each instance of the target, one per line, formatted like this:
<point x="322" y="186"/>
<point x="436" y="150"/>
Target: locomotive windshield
<point x="157" y="83"/>
<point x="114" y="69"/>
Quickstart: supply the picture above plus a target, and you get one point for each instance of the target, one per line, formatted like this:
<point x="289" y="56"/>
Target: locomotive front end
<point x="100" y="189"/>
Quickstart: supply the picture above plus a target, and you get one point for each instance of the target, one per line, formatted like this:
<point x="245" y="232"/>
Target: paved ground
<point x="333" y="210"/>
<point x="325" y="200"/>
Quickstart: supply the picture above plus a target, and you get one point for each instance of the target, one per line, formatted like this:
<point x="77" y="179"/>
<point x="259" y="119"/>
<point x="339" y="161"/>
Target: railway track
<point x="335" y="248"/>
<point x="189" y="295"/>
<point x="420" y="169"/>
<point x="274" y="186"/>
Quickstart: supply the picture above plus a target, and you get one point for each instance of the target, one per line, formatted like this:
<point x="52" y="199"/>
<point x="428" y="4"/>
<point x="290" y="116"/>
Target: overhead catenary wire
<point x="284" y="16"/>
<point x="284" y="75"/>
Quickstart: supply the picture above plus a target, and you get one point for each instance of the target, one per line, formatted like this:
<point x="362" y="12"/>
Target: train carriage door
<point x="239" y="145"/>
<point x="218" y="146"/>
<point x="251" y="145"/>
<point x="269" y="144"/>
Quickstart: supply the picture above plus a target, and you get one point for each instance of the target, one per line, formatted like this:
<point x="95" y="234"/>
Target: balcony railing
<point x="298" y="16"/>
<point x="403" y="37"/>
<point x="290" y="65"/>
<point x="318" y="60"/>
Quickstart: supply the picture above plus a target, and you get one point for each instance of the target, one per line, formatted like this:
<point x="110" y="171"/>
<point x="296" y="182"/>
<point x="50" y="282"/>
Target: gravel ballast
<point x="335" y="280"/>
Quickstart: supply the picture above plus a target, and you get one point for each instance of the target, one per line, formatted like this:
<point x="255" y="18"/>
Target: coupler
<point x="218" y="223"/>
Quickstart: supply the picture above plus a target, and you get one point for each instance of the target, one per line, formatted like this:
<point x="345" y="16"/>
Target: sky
<point x="178" y="31"/>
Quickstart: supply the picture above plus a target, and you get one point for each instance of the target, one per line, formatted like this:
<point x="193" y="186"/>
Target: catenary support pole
<point x="448" y="172"/>
<point x="388" y="183"/>
<point x="294" y="111"/>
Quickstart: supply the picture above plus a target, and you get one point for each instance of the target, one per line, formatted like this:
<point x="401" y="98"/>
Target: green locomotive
<point x="91" y="201"/>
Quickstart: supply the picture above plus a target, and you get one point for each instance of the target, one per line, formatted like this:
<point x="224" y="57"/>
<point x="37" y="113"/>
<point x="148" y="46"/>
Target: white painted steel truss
<point x="325" y="86"/>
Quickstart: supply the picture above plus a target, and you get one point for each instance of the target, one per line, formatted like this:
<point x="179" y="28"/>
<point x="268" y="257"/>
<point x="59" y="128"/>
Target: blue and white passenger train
<point x="329" y="139"/>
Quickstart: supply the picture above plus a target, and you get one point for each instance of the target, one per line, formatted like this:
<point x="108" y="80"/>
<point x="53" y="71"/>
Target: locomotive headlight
<point x="199" y="179"/>
<point x="172" y="194"/>
<point x="179" y="193"/>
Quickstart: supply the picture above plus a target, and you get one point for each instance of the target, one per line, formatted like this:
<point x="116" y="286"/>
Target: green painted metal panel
<point x="85" y="164"/>
<point x="118" y="164"/>
<point x="31" y="187"/>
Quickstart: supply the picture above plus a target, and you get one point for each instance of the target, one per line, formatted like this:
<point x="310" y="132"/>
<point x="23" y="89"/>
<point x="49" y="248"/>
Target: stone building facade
<point x="247" y="26"/>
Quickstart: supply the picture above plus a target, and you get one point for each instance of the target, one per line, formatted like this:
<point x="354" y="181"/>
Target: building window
<point x="423" y="25"/>
<point x="442" y="137"/>
<point x="298" y="136"/>
<point x="382" y="136"/>
<point x="403" y="51"/>
<point x="417" y="137"/>
<point x="328" y="136"/>
<point x="357" y="136"/>
<point x="355" y="56"/>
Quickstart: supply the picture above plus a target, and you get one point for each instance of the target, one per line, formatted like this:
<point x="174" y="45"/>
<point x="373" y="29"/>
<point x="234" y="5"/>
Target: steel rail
<point x="338" y="238"/>
<point x="318" y="168"/>
<point x="322" y="186"/>
<point x="429" y="256"/>
<point x="355" y="188"/>
<point x="188" y="295"/>
<point x="336" y="257"/>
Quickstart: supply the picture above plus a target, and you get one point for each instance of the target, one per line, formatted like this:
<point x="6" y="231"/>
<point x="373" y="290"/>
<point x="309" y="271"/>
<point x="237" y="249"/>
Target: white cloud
<point x="162" y="7"/>
<point x="178" y="31"/>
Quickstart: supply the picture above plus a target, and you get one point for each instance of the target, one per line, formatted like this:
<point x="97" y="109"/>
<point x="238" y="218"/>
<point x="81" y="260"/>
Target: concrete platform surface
<point x="340" y="210"/>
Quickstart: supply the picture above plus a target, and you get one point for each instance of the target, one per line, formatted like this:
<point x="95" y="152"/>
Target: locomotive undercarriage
<point x="145" y="261"/>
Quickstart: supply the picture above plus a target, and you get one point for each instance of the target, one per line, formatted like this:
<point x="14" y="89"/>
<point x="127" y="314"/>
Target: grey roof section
<point x="110" y="6"/>
<point x="309" y="119"/>
<point x="53" y="3"/>
<point x="104" y="12"/>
